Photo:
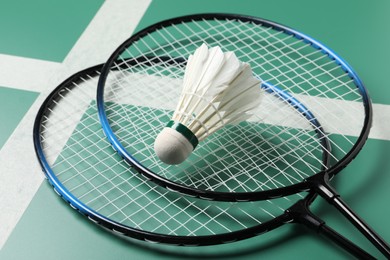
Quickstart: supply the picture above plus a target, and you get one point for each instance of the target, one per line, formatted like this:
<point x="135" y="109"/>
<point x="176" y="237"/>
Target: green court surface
<point x="43" y="29"/>
<point x="48" y="30"/>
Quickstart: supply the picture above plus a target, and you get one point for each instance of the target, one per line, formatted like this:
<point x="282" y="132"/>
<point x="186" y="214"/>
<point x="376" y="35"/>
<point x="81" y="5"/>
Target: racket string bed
<point x="232" y="140"/>
<point x="92" y="172"/>
<point x="158" y="72"/>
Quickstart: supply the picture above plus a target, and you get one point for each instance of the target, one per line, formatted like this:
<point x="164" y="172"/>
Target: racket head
<point x="92" y="178"/>
<point x="284" y="148"/>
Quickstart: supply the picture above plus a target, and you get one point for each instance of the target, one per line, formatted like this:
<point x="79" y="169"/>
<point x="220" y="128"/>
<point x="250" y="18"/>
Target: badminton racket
<point x="92" y="178"/>
<point x="278" y="151"/>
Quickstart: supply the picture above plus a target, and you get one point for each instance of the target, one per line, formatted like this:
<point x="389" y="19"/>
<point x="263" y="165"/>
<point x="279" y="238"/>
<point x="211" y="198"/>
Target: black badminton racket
<point x="277" y="152"/>
<point x="92" y="178"/>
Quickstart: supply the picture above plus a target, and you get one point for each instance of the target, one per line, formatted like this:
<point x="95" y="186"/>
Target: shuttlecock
<point x="218" y="89"/>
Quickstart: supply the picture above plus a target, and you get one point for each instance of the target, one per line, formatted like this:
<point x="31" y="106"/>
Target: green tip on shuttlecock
<point x="218" y="89"/>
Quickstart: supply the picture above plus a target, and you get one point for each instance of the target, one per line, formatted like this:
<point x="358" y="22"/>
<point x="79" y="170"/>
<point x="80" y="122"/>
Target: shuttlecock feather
<point x="218" y="89"/>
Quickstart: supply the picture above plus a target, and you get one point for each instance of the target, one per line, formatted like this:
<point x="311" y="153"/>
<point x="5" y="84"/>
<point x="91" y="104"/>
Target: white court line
<point x="333" y="119"/>
<point x="381" y="122"/>
<point x="26" y="73"/>
<point x="110" y="28"/>
<point x="21" y="175"/>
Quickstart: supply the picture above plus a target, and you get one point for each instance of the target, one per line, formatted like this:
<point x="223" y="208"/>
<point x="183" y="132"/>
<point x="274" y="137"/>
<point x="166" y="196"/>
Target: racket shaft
<point x="362" y="226"/>
<point x="344" y="242"/>
<point x="300" y="213"/>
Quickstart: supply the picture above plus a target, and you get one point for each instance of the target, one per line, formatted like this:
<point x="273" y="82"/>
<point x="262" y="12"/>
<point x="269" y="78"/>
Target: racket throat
<point x="320" y="183"/>
<point x="300" y="213"/>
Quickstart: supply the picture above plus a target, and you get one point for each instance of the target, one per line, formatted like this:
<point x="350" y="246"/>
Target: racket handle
<point x="300" y="213"/>
<point x="329" y="194"/>
<point x="344" y="242"/>
<point x="362" y="226"/>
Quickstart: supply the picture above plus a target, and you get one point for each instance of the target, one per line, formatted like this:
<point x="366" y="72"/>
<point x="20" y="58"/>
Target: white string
<point x="265" y="153"/>
<point x="280" y="59"/>
<point x="94" y="174"/>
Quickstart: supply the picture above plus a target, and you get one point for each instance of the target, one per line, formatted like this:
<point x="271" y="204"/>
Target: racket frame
<point x="298" y="213"/>
<point x="305" y="185"/>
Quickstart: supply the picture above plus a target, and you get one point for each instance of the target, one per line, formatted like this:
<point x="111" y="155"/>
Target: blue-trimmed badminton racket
<point x="79" y="163"/>
<point x="276" y="152"/>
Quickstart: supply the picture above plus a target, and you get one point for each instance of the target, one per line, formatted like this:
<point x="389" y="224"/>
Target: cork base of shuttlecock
<point x="172" y="147"/>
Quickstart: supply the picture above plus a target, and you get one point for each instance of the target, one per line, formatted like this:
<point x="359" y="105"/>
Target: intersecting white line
<point x="26" y="73"/>
<point x="20" y="172"/>
<point x="379" y="130"/>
